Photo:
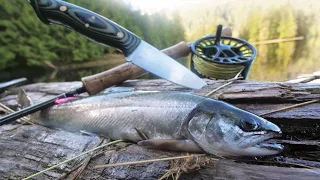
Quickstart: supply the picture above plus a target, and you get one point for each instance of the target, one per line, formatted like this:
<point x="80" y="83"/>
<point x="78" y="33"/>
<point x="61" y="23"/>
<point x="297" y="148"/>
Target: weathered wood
<point x="307" y="78"/>
<point x="240" y="91"/>
<point x="29" y="149"/>
<point x="241" y="171"/>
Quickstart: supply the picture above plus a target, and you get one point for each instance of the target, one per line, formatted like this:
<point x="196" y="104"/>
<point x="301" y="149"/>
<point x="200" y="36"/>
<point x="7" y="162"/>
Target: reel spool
<point x="221" y="57"/>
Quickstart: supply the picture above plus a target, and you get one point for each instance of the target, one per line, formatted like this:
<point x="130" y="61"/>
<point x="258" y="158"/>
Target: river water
<point x="263" y="69"/>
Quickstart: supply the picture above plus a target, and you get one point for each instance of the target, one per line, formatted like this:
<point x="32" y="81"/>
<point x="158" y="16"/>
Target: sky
<point x="150" y="6"/>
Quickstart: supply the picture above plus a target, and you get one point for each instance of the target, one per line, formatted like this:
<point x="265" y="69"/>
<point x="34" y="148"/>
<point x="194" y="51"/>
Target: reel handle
<point x="218" y="35"/>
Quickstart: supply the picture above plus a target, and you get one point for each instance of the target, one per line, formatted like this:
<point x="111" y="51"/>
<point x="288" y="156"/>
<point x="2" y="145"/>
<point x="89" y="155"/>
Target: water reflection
<point x="270" y="65"/>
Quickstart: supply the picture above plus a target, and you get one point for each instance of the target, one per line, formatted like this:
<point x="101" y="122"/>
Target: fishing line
<point x="214" y="70"/>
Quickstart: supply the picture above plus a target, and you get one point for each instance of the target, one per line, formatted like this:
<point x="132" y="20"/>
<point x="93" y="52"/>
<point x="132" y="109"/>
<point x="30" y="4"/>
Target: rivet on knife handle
<point x="90" y="24"/>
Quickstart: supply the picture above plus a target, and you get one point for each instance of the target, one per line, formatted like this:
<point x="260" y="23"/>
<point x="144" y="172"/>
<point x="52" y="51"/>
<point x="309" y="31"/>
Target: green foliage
<point x="25" y="40"/>
<point x="276" y="22"/>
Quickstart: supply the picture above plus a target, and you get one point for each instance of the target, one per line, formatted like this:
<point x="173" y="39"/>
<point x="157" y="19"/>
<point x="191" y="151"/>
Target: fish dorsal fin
<point x="23" y="100"/>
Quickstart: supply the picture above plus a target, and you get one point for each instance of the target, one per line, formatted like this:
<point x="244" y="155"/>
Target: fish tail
<point x="23" y="99"/>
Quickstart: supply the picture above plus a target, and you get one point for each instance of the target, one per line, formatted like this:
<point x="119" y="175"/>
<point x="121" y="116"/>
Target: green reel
<point x="222" y="57"/>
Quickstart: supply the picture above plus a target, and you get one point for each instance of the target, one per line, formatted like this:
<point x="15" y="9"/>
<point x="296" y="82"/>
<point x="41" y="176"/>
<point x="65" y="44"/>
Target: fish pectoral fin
<point x="183" y="145"/>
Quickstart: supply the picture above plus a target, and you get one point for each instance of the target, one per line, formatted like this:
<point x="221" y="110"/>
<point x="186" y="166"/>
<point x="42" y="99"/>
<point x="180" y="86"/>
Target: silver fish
<point x="168" y="120"/>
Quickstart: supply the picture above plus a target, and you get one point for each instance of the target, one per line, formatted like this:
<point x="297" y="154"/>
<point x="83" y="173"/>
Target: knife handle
<point x="89" y="24"/>
<point x="98" y="82"/>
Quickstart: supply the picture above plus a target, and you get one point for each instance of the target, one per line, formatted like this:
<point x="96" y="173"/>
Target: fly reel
<point x="221" y="57"/>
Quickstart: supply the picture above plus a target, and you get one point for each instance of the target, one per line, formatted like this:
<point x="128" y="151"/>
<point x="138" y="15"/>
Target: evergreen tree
<point x="25" y="40"/>
<point x="287" y="28"/>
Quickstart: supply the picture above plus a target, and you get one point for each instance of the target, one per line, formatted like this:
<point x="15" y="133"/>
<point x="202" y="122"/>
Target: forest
<point x="26" y="41"/>
<point x="257" y="21"/>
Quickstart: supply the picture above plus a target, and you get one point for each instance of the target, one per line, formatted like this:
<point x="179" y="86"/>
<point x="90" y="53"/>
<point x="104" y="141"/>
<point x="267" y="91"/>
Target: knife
<point x="104" y="31"/>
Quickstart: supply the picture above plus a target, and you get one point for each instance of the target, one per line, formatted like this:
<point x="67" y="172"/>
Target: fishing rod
<point x="12" y="83"/>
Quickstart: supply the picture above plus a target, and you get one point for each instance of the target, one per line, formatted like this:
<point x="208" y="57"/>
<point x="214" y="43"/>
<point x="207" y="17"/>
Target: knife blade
<point x="104" y="31"/>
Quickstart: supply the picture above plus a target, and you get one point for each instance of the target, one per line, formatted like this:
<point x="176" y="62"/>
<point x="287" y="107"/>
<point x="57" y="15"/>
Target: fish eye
<point x="249" y="124"/>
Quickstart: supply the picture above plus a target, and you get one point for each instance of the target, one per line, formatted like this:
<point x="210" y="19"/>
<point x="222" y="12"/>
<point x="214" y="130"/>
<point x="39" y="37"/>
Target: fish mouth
<point x="270" y="146"/>
<point x="262" y="140"/>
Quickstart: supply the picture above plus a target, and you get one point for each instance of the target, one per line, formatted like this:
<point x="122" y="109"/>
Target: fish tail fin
<point x="23" y="99"/>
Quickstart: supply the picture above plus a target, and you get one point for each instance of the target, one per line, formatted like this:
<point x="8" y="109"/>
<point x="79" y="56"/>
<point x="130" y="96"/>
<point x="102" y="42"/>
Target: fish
<point x="176" y="121"/>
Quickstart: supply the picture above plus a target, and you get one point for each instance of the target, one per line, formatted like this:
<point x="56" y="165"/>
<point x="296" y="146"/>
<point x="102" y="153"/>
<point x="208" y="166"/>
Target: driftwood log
<point x="28" y="149"/>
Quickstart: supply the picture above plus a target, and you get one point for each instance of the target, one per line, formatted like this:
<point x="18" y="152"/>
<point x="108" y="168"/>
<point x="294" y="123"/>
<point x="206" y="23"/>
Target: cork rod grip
<point x="98" y="82"/>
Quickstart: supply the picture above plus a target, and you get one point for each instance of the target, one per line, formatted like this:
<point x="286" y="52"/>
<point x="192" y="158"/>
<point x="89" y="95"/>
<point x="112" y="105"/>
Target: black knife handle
<point x="91" y="25"/>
